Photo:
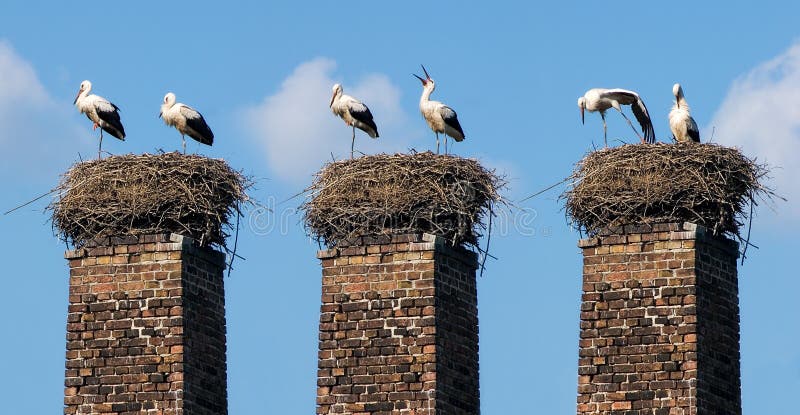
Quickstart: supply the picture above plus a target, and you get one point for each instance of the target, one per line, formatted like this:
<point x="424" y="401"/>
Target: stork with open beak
<point x="101" y="112"/>
<point x="440" y="117"/>
<point x="354" y="113"/>
<point x="601" y="99"/>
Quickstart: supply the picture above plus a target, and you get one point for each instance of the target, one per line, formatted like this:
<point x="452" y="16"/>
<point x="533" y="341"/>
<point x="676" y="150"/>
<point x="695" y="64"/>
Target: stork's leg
<point x="183" y="138"/>
<point x="631" y="124"/>
<point x="437" y="142"/>
<point x="445" y="144"/>
<point x="605" y="129"/>
<point x="353" y="143"/>
<point x="100" y="147"/>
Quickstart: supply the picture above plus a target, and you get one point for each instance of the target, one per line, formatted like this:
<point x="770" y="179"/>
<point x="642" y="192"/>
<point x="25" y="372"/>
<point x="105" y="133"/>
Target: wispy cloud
<point x="298" y="133"/>
<point x="38" y="135"/>
<point x="761" y="114"/>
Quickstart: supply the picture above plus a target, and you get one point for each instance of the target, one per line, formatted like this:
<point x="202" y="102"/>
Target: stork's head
<point x="169" y="101"/>
<point x="678" y="92"/>
<point x="337" y="90"/>
<point x="427" y="81"/>
<point x="582" y="106"/>
<point x="86" y="86"/>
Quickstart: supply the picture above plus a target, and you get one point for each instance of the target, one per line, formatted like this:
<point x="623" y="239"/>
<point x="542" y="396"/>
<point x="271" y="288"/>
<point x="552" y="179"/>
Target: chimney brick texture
<point x="659" y="323"/>
<point x="146" y="328"/>
<point x="398" y="328"/>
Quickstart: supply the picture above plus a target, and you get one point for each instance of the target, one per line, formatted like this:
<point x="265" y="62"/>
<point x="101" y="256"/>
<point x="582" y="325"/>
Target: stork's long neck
<point x="426" y="93"/>
<point x="81" y="97"/>
<point x="680" y="101"/>
<point x="337" y="97"/>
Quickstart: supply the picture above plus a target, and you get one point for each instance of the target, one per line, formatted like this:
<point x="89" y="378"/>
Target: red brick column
<point x="398" y="328"/>
<point x="146" y="328"/>
<point x="659" y="323"/>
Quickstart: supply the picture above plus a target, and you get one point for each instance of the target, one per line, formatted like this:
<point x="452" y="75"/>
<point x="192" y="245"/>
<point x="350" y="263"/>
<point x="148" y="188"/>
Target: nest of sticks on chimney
<point x="387" y="194"/>
<point x="150" y="193"/>
<point x="707" y="184"/>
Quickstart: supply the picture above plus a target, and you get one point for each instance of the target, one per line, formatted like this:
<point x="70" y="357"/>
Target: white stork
<point x="601" y="99"/>
<point x="101" y="112"/>
<point x="186" y="120"/>
<point x="440" y="117"/>
<point x="684" y="128"/>
<point x="354" y="113"/>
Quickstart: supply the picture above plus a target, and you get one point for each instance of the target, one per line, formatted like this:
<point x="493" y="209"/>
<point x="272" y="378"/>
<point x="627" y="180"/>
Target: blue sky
<point x="261" y="73"/>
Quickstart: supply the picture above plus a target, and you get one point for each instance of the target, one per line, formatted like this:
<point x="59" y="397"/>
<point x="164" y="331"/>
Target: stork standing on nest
<point x="186" y="120"/>
<point x="684" y="128"/>
<point x="601" y="99"/>
<point x="101" y="112"/>
<point x="440" y="117"/>
<point x="354" y="113"/>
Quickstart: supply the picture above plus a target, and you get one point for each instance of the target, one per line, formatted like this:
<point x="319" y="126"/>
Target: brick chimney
<point x="146" y="328"/>
<point x="659" y="323"/>
<point x="398" y="328"/>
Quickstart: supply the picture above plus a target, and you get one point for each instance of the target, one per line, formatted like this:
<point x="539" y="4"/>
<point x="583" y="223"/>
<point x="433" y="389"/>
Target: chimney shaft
<point x="398" y="328"/>
<point x="146" y="328"/>
<point x="659" y="323"/>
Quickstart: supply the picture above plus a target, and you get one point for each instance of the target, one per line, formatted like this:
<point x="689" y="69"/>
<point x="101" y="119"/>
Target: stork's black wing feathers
<point x="451" y="120"/>
<point x="198" y="128"/>
<point x="627" y="97"/>
<point x="204" y="134"/>
<point x="112" y="124"/>
<point x="362" y="114"/>
<point x="640" y="111"/>
<point x="694" y="135"/>
<point x="693" y="131"/>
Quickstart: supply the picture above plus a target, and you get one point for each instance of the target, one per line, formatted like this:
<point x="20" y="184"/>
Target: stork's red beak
<point x="76" y="96"/>
<point x="426" y="72"/>
<point x="332" y="98"/>
<point x="582" y="122"/>
<point x="427" y="77"/>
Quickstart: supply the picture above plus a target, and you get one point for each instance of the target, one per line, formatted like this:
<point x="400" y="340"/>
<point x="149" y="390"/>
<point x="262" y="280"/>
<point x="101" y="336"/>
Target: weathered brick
<point x="667" y="296"/>
<point x="129" y="359"/>
<point x="398" y="327"/>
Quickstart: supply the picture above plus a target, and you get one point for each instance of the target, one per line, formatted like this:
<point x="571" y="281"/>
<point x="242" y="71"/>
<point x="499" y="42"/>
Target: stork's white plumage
<point x="101" y="112"/>
<point x="684" y="128"/>
<point x="440" y="117"/>
<point x="354" y="113"/>
<point x="186" y="120"/>
<point x="601" y="99"/>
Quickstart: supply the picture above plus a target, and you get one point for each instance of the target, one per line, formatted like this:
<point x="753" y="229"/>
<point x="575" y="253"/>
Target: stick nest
<point x="707" y="184"/>
<point x="139" y="194"/>
<point x="402" y="193"/>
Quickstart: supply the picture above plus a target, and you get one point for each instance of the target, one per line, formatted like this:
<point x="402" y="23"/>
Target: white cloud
<point x="39" y="137"/>
<point x="298" y="132"/>
<point x="761" y="115"/>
